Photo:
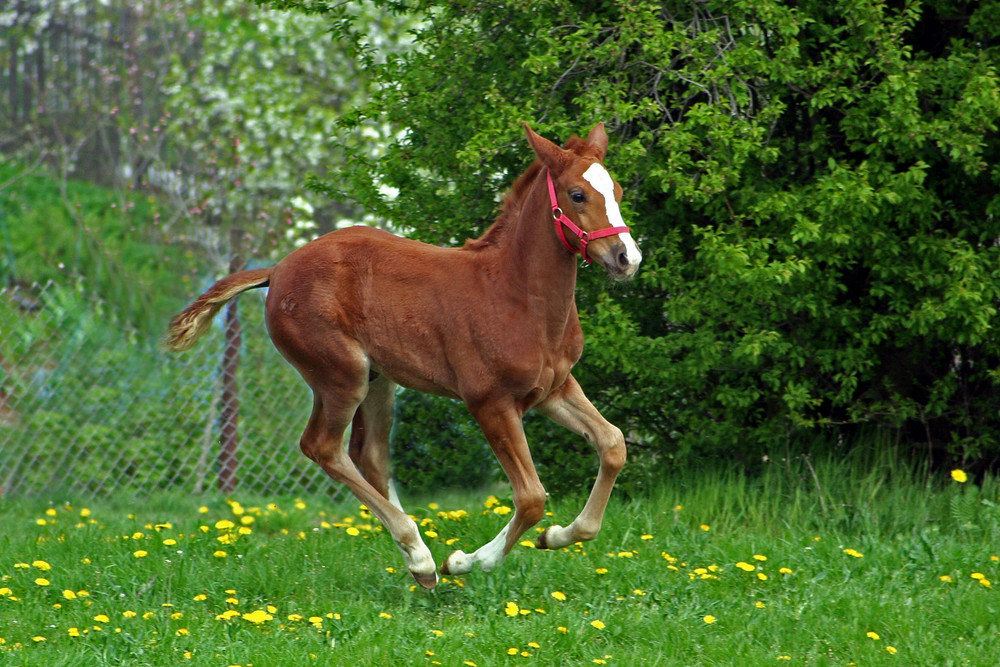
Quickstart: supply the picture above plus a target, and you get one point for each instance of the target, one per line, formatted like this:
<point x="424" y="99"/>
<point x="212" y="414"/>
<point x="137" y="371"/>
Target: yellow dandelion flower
<point x="73" y="632"/>
<point x="892" y="650"/>
<point x="128" y="613"/>
<point x="646" y="537"/>
<point x="352" y="531"/>
<point x="946" y="578"/>
<point x="563" y="629"/>
<point x="42" y="581"/>
<point x="705" y="527"/>
<point x="437" y="633"/>
<point x="84" y="512"/>
<point x="102" y="618"/>
<point x="759" y="557"/>
<point x="746" y="567"/>
<point x="203" y="510"/>
<point x="985" y="582"/>
<point x="854" y="553"/>
<point x="68" y="594"/>
<point x="431" y="533"/>
<point x="527" y="544"/>
<point x="977" y="575"/>
<point x="762" y="576"/>
<point x="181" y="632"/>
<point x="140" y="553"/>
<point x="511" y="609"/>
<point x="491" y="501"/>
<point x="148" y="615"/>
<point x="384" y="614"/>
<point x="257" y="616"/>
<point x="224" y="524"/>
<point x="559" y="595"/>
<point x="786" y="570"/>
<point x="41" y="565"/>
<point x="959" y="476"/>
<point x="708" y="618"/>
<point x="601" y="570"/>
<point x="501" y="510"/>
<point x="38" y="638"/>
<point x="872" y="635"/>
<point x="512" y="651"/>
<point x="200" y="597"/>
<point x="759" y="604"/>
<point x="169" y="542"/>
<point x="220" y="554"/>
<point x="598" y="624"/>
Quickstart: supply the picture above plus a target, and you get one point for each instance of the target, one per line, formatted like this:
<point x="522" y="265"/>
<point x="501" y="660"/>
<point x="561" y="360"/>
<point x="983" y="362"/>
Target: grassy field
<point x="832" y="564"/>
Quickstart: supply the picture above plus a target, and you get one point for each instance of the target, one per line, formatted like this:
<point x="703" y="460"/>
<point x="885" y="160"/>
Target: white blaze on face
<point x="600" y="180"/>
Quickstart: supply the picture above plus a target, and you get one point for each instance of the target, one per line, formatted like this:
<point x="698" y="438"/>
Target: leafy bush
<point x="814" y="189"/>
<point x="436" y="444"/>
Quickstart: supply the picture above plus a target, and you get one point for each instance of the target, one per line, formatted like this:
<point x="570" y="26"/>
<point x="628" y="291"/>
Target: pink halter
<point x="561" y="220"/>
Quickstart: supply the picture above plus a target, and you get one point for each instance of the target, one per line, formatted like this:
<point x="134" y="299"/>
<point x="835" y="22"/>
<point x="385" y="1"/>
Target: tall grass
<point x="826" y="562"/>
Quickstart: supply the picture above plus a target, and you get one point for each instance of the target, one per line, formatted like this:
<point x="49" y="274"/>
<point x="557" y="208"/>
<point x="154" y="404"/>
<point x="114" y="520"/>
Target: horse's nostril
<point x="623" y="259"/>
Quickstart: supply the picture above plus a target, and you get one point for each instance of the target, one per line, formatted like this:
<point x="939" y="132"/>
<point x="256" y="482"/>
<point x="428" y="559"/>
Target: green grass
<point x="642" y="593"/>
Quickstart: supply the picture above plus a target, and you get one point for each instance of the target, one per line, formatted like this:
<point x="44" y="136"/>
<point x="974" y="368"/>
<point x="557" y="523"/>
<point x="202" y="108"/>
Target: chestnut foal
<point x="493" y="323"/>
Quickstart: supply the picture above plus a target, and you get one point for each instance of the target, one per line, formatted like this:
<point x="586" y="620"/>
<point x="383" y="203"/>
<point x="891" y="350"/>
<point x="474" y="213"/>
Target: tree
<point x="814" y="188"/>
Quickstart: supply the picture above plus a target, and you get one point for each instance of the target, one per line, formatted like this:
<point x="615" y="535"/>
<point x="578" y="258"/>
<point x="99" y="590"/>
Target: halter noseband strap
<point x="561" y="220"/>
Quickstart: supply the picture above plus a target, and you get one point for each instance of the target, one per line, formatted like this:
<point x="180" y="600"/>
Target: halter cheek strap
<point x="562" y="221"/>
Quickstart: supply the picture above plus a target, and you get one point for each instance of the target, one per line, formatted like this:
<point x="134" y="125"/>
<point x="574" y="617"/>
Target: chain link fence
<point x="88" y="407"/>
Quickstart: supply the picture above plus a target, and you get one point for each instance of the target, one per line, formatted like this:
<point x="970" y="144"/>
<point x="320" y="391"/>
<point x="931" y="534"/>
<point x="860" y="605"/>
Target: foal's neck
<point x="532" y="255"/>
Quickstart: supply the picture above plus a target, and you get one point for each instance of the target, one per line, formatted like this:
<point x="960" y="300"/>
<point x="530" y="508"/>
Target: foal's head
<point x="589" y="197"/>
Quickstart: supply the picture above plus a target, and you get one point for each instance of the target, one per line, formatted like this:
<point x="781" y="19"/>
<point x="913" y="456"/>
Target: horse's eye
<point x="578" y="197"/>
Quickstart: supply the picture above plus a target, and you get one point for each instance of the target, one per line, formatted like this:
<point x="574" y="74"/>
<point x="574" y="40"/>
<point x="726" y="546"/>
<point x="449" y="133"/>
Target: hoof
<point x="458" y="562"/>
<point x="542" y="544"/>
<point x="555" y="537"/>
<point x="428" y="581"/>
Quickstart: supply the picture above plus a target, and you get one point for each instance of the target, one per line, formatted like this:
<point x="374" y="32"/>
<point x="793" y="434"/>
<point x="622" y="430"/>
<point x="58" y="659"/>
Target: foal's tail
<point x="188" y="325"/>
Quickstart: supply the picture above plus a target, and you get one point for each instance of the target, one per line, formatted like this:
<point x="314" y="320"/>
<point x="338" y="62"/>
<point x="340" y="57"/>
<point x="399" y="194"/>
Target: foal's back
<point x="375" y="302"/>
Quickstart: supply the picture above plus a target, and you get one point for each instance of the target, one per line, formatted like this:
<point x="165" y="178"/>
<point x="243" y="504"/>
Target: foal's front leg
<point x="505" y="433"/>
<point x="570" y="407"/>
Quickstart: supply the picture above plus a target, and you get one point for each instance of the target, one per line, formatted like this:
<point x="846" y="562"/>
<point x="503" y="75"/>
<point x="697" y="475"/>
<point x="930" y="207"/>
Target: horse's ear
<point x="597" y="141"/>
<point x="551" y="155"/>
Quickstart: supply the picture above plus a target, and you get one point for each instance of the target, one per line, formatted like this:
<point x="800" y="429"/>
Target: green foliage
<point x="54" y="230"/>
<point x="813" y="188"/>
<point x="437" y="445"/>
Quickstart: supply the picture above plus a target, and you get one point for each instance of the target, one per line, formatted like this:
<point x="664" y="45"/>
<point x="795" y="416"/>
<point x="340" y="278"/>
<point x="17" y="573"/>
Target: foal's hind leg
<point x="322" y="441"/>
<point x="369" y="447"/>
<point x="570" y="407"/>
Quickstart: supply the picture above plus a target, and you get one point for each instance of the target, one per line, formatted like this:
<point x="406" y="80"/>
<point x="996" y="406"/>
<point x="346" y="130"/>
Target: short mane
<point x="509" y="209"/>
